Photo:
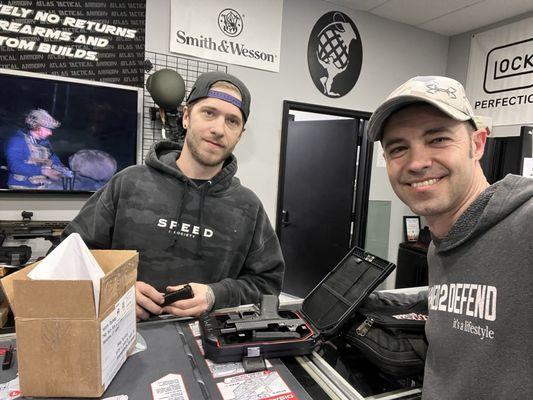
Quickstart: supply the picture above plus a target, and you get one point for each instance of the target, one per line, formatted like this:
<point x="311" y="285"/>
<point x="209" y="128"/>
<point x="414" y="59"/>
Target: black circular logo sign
<point x="230" y="22"/>
<point x="334" y="54"/>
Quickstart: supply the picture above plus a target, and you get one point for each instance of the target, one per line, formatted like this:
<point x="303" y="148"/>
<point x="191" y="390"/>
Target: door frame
<point x="362" y="177"/>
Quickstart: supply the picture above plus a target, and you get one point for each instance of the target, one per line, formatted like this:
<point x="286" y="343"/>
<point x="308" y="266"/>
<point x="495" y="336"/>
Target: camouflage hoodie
<point x="216" y="233"/>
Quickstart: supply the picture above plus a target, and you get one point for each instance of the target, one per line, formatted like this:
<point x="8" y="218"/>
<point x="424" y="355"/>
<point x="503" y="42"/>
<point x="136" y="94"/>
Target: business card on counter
<point x="169" y="387"/>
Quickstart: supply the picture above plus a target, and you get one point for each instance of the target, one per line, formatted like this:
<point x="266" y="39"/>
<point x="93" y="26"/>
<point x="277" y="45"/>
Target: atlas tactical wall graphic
<point x="97" y="40"/>
<point x="334" y="54"/>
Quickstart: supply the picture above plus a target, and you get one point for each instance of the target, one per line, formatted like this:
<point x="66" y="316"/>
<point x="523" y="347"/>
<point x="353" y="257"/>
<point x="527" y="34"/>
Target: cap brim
<point x="378" y="118"/>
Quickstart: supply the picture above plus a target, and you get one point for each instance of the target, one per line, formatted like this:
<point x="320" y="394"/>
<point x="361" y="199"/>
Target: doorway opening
<point x="323" y="188"/>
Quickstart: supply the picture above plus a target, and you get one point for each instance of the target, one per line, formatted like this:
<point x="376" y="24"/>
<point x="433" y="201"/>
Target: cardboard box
<point x="64" y="347"/>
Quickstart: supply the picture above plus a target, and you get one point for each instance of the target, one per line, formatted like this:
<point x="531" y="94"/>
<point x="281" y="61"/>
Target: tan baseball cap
<point x="446" y="94"/>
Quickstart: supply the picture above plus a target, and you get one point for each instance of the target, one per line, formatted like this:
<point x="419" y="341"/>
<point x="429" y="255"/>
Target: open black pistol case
<point x="247" y="335"/>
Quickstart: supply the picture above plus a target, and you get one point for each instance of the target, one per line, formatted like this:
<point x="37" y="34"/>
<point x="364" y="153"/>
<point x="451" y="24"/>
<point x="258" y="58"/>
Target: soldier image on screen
<point x="32" y="164"/>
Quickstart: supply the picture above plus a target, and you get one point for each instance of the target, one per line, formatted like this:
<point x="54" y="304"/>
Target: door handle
<point x="285" y="218"/>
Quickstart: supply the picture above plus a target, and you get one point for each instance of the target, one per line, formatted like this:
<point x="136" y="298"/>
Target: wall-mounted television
<point x="62" y="134"/>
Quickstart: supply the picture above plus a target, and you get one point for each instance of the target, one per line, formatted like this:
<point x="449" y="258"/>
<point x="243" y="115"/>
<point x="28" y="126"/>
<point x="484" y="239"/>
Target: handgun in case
<point x="270" y="332"/>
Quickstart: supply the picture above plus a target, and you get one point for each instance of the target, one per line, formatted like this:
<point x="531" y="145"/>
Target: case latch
<point x="253" y="361"/>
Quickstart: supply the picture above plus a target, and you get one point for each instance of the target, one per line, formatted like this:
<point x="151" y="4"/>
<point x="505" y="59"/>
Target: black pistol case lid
<point x="343" y="290"/>
<point x="324" y="309"/>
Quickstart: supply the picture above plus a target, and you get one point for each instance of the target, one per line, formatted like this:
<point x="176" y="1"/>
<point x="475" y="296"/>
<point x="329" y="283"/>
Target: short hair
<point x="226" y="85"/>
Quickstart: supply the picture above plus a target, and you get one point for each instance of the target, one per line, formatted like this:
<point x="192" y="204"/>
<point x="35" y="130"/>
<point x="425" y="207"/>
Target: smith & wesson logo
<point x="231" y="24"/>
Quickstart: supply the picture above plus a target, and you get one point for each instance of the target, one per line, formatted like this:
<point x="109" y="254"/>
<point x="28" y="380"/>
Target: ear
<point x="186" y="117"/>
<point x="479" y="138"/>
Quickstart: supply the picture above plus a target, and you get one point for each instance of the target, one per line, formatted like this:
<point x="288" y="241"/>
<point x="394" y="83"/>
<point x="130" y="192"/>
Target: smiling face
<point x="214" y="128"/>
<point x="433" y="162"/>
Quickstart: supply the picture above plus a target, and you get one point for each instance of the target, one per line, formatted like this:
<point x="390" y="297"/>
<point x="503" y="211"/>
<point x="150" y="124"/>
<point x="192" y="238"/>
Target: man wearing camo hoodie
<point x="188" y="215"/>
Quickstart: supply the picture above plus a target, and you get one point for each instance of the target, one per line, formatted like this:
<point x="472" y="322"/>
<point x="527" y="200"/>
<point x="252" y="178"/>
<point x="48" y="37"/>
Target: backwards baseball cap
<point x="446" y="94"/>
<point x="40" y="117"/>
<point x="202" y="89"/>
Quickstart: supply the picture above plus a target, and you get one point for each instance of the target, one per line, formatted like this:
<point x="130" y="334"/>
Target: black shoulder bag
<point x="389" y="330"/>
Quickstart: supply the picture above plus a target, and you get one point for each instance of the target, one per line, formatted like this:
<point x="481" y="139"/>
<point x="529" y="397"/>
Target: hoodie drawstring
<point x="179" y="213"/>
<point x="203" y="192"/>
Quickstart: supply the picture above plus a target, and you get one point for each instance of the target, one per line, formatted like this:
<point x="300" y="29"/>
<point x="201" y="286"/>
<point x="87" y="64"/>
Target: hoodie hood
<point x="163" y="155"/>
<point x="492" y="206"/>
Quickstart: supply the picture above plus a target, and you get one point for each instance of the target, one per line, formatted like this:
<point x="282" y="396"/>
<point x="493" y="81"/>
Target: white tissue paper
<point x="71" y="260"/>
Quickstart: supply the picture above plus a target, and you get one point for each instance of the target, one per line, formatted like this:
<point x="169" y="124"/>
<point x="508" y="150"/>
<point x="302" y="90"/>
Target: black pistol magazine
<point x="181" y="294"/>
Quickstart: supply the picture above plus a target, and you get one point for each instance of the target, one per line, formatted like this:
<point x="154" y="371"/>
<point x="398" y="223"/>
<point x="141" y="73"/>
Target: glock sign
<point x="509" y="67"/>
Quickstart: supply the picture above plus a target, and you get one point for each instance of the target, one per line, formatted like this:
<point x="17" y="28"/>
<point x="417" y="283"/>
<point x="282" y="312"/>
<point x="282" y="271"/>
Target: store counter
<point x="174" y="347"/>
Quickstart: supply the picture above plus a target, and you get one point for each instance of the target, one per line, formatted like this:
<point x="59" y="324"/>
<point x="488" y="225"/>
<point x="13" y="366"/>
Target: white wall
<point x="392" y="53"/>
<point x="310" y="116"/>
<point x="459" y="50"/>
<point x="45" y="207"/>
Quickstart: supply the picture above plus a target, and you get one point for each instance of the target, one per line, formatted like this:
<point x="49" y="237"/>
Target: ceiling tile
<point x="415" y="12"/>
<point x="363" y="5"/>
<point x="477" y="16"/>
<point x="446" y="17"/>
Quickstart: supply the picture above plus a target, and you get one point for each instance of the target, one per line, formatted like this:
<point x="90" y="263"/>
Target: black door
<point x="317" y="187"/>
